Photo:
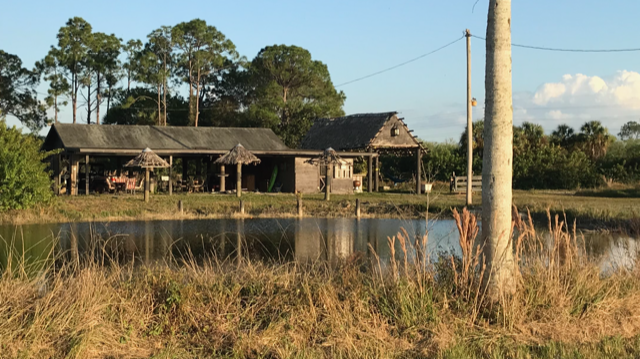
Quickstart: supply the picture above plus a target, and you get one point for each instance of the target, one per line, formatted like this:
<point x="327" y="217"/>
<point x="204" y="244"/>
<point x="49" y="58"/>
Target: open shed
<point x="202" y="145"/>
<point x="368" y="134"/>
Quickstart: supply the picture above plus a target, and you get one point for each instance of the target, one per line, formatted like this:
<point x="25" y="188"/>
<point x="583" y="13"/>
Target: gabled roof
<point x="121" y="137"/>
<point x="354" y="132"/>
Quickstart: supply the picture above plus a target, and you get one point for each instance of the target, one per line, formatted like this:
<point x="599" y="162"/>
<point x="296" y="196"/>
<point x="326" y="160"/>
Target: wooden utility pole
<point x="469" y="124"/>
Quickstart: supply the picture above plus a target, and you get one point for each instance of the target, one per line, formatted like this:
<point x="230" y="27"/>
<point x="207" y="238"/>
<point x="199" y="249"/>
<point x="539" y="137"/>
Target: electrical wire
<point x="400" y="64"/>
<point x="565" y="50"/>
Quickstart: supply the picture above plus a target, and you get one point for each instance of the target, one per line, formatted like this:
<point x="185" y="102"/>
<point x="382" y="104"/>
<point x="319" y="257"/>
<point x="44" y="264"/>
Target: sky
<point x="356" y="38"/>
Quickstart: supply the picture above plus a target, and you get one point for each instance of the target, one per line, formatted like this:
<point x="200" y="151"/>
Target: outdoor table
<point x="119" y="182"/>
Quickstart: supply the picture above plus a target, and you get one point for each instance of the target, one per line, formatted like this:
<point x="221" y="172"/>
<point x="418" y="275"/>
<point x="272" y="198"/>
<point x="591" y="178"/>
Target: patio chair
<point x="131" y="185"/>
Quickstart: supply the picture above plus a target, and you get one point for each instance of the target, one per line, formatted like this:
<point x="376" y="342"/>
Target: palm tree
<point x="595" y="139"/>
<point x="563" y="135"/>
<point x="477" y="135"/>
<point x="497" y="165"/>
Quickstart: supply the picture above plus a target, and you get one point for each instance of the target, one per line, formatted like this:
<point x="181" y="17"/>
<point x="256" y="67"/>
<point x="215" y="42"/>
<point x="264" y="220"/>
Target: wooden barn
<point x="85" y="149"/>
<point x="368" y="134"/>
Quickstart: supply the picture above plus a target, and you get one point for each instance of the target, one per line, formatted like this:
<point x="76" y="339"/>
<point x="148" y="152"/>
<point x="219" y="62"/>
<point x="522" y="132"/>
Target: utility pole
<point x="469" y="124"/>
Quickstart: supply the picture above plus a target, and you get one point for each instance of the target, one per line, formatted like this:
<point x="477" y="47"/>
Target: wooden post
<point x="241" y="207"/>
<point x="73" y="174"/>
<point x="418" y="170"/>
<point x="205" y="180"/>
<point x="300" y="209"/>
<point x="86" y="175"/>
<point x="370" y="173"/>
<point x="146" y="185"/>
<point x="180" y="208"/>
<point x="239" y="230"/>
<point x="358" y="208"/>
<point x="239" y="181"/>
<point x="57" y="164"/>
<point x="170" y="175"/>
<point x="469" y="125"/>
<point x="327" y="182"/>
<point x="222" y="178"/>
<point x="376" y="174"/>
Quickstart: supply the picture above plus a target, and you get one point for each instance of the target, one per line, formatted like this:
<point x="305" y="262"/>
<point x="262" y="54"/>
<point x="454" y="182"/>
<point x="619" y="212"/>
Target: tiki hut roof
<point x="329" y="156"/>
<point x="238" y="154"/>
<point x="162" y="139"/>
<point x="359" y="132"/>
<point x="147" y="159"/>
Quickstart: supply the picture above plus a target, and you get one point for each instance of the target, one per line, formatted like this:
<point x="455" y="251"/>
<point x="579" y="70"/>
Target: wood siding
<point x="342" y="186"/>
<point x="307" y="176"/>
<point x="384" y="139"/>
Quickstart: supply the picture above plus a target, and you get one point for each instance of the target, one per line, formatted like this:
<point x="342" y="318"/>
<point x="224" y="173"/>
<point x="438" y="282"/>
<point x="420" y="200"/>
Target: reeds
<point x="418" y="304"/>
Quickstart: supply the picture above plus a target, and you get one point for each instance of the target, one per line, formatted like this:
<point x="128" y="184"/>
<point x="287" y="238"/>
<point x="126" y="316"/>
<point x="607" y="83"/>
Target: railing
<point x="459" y="184"/>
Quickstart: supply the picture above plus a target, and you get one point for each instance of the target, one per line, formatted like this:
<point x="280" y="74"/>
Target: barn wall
<point x="342" y="186"/>
<point x="307" y="176"/>
<point x="384" y="138"/>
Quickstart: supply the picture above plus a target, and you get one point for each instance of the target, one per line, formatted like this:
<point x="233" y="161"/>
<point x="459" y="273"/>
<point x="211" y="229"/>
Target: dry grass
<point x="410" y="306"/>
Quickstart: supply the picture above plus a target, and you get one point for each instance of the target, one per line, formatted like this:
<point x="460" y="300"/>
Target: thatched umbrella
<point x="238" y="156"/>
<point x="147" y="159"/>
<point x="328" y="158"/>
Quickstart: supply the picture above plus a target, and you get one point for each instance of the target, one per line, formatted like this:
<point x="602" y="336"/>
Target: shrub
<point x="24" y="180"/>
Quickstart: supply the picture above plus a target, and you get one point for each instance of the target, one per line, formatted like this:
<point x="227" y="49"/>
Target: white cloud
<point x="557" y="115"/>
<point x="573" y="100"/>
<point x="577" y="98"/>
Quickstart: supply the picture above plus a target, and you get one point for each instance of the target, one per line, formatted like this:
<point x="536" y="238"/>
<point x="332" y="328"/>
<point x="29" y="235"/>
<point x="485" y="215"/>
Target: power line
<point x="400" y="64"/>
<point x="565" y="50"/>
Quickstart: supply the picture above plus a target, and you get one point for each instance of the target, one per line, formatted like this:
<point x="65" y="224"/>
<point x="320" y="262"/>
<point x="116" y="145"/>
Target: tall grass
<point x="415" y="305"/>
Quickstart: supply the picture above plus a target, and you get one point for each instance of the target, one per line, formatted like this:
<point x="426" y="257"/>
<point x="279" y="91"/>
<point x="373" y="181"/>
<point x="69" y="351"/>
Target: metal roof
<point x="179" y="139"/>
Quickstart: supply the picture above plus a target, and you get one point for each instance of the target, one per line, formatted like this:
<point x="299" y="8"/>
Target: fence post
<point x="300" y="209"/>
<point x="358" y="208"/>
<point x="180" y="208"/>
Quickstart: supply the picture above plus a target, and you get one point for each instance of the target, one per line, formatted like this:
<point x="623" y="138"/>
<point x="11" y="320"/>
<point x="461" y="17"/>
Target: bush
<point x="24" y="180"/>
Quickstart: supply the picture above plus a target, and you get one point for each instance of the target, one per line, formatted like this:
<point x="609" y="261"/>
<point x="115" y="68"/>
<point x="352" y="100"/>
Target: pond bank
<point x="590" y="212"/>
<point x="253" y="310"/>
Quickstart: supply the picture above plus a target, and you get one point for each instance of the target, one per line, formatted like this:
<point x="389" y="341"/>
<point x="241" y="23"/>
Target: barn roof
<point x="354" y="132"/>
<point x="120" y="137"/>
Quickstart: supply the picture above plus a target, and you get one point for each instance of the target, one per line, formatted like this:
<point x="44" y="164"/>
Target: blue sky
<point x="355" y="38"/>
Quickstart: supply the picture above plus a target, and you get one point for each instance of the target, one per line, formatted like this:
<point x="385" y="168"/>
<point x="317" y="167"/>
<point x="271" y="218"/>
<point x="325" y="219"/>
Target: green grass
<point x="588" y="210"/>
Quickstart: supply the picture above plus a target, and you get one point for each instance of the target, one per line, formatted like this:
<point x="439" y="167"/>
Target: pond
<point x="308" y="239"/>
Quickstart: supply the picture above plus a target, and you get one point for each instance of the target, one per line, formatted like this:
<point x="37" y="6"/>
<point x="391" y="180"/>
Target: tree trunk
<point x="159" y="106"/>
<point x="197" y="99"/>
<point x="497" y="164"/>
<point x="191" y="114"/>
<point x="88" y="104"/>
<point x="164" y="90"/>
<point x="55" y="108"/>
<point x="109" y="100"/>
<point x="74" y="98"/>
<point x="98" y="98"/>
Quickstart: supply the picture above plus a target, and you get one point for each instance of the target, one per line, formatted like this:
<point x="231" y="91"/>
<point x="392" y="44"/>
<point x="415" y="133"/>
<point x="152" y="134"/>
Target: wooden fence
<point x="459" y="184"/>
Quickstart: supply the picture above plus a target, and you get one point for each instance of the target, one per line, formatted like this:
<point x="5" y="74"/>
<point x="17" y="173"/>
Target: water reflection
<point x="305" y="240"/>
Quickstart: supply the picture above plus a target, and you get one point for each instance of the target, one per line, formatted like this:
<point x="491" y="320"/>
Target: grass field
<point x="563" y="307"/>
<point x="589" y="209"/>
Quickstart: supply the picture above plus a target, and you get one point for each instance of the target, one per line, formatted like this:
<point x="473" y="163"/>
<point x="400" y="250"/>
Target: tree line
<point x="282" y="87"/>
<point x="565" y="159"/>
